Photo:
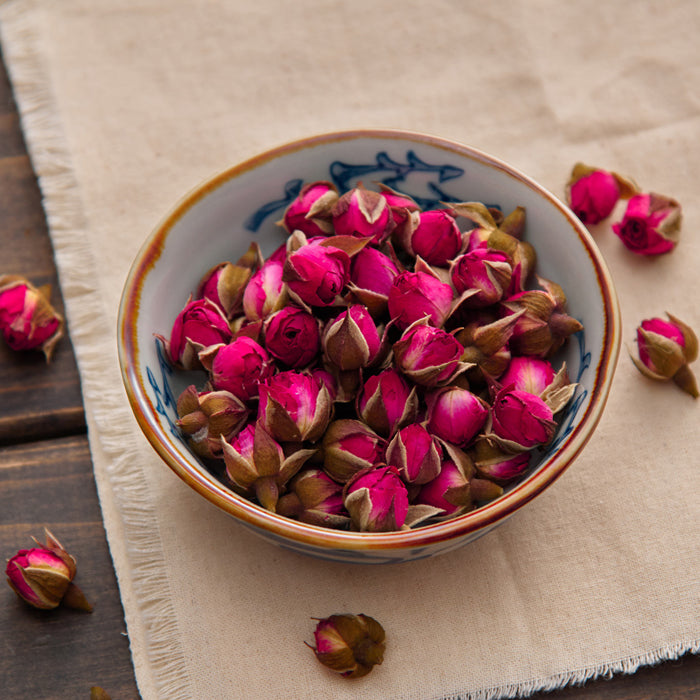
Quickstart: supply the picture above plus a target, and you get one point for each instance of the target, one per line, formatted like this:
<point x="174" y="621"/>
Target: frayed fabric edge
<point x="122" y="483"/>
<point x="578" y="677"/>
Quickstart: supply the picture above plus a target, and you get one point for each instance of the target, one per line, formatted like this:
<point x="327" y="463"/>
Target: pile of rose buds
<point x="384" y="367"/>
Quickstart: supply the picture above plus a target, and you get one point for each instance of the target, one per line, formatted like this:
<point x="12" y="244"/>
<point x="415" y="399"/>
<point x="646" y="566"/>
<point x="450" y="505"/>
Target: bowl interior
<point x="218" y="220"/>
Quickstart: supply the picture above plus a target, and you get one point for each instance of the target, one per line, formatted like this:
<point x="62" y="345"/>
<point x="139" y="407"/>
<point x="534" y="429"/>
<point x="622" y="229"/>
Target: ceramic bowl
<point x="217" y="221"/>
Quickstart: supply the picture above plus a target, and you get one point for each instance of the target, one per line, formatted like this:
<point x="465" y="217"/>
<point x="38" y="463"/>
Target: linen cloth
<point x="127" y="104"/>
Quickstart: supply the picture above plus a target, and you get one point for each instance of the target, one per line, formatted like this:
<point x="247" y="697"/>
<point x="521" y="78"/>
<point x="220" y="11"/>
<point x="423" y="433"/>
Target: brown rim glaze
<point x="325" y="538"/>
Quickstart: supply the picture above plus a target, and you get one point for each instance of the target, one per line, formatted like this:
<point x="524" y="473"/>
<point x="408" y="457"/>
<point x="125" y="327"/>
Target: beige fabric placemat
<point x="127" y="104"/>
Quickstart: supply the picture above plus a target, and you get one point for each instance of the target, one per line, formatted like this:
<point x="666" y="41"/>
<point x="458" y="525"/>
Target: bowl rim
<point x="326" y="538"/>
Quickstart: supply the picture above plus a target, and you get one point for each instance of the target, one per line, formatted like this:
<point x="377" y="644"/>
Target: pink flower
<point x="455" y="414"/>
<point x="651" y="224"/>
<point x="27" y="319"/>
<point x="294" y="406"/>
<point x="486" y="270"/>
<point x="310" y="211"/>
<point x="350" y="446"/>
<point x="592" y="196"/>
<point x="415" y="295"/>
<point x="264" y="294"/>
<point x="428" y="356"/>
<point x="522" y="419"/>
<point x="351" y="340"/>
<point x="314" y="498"/>
<point x="317" y="274"/>
<point x="373" y="271"/>
<point x="387" y="402"/>
<point x="199" y="325"/>
<point x="528" y="374"/>
<point x="415" y="453"/>
<point x="292" y="336"/>
<point x="437" y="238"/>
<point x="364" y="214"/>
<point x="449" y="491"/>
<point x="225" y="285"/>
<point x="377" y="500"/>
<point x="239" y="367"/>
<point x="496" y="465"/>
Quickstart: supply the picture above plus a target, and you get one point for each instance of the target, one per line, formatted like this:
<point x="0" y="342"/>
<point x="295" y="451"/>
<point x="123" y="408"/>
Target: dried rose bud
<point x="316" y="499"/>
<point x="362" y="213"/>
<point x="350" y="446"/>
<point x="528" y="374"/>
<point x="257" y="464"/>
<point x="27" y="319"/>
<point x="428" y="356"/>
<point x="487" y="270"/>
<point x="415" y="453"/>
<point x="436" y="237"/>
<point x="521" y="420"/>
<point x="265" y="293"/>
<point x="665" y="350"/>
<point x="415" y="295"/>
<point x="350" y="645"/>
<point x="592" y="193"/>
<point x="225" y="285"/>
<point x="310" y="211"/>
<point x="371" y="276"/>
<point x="401" y="204"/>
<point x="292" y="336"/>
<point x="351" y="340"/>
<point x="207" y="416"/>
<point x="376" y="499"/>
<point x="294" y="406"/>
<point x="456" y="415"/>
<point x="386" y="402"/>
<point x="493" y="463"/>
<point x="328" y="380"/>
<point x="201" y="324"/>
<point x="43" y="576"/>
<point x="651" y="224"/>
<point x="317" y="274"/>
<point x="238" y="367"/>
<point x="449" y="491"/>
<point x="486" y="344"/>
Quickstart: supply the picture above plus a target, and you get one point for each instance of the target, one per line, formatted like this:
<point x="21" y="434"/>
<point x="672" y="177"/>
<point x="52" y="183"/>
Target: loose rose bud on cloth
<point x="651" y="224"/>
<point x="592" y="193"/>
<point x="665" y="350"/>
<point x="27" y="319"/>
<point x="43" y="576"/>
<point x="350" y="645"/>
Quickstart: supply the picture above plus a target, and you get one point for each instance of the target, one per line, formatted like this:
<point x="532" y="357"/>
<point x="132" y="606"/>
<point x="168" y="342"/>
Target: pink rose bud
<point x="292" y="337"/>
<point x="294" y="406"/>
<point x="351" y="340"/>
<point x="477" y="238"/>
<point x="328" y="380"/>
<point x="522" y="419"/>
<point x="43" y="576"/>
<point x="377" y="499"/>
<point x="350" y="446"/>
<point x="415" y="295"/>
<point x="27" y="319"/>
<point x="310" y="212"/>
<point x="428" y="356"/>
<point x="651" y="224"/>
<point x="437" y="238"/>
<point x="401" y="205"/>
<point x="225" y="285"/>
<point x="665" y="350"/>
<point x="592" y="193"/>
<point x="415" y="453"/>
<point x="239" y="367"/>
<point x="487" y="270"/>
<point x="502" y="467"/>
<point x="528" y="374"/>
<point x="364" y="214"/>
<point x="449" y="491"/>
<point x="207" y="416"/>
<point x="387" y="402"/>
<point x="316" y="499"/>
<point x="258" y="465"/>
<point x="317" y="274"/>
<point x="265" y="292"/>
<point x="455" y="414"/>
<point x="350" y="645"/>
<point x="371" y="276"/>
<point x="199" y="325"/>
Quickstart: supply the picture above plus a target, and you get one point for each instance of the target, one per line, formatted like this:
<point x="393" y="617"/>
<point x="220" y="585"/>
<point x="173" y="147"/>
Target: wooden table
<point x="46" y="479"/>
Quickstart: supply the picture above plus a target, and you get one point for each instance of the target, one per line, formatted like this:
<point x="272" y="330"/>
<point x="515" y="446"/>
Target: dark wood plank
<point x="60" y="653"/>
